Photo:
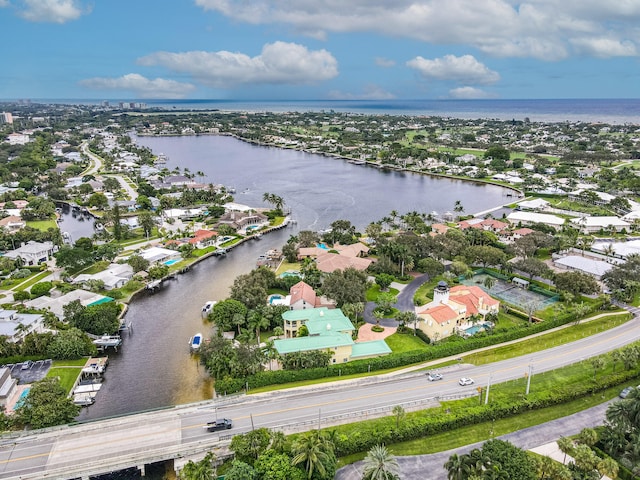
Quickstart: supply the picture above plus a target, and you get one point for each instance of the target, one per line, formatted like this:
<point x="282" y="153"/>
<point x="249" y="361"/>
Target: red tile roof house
<point x="12" y="223"/>
<point x="512" y="236"/>
<point x="302" y="296"/>
<point x="203" y="238"/>
<point x="488" y="224"/>
<point x="454" y="309"/>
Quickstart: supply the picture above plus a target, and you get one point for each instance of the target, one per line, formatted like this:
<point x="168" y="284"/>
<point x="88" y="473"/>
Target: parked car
<point x="465" y="381"/>
<point x="220" y="424"/>
<point x="26" y="365"/>
<point x="626" y="391"/>
<point x="432" y="377"/>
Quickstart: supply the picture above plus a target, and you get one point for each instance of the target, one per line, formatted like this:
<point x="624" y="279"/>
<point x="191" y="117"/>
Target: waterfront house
<point x="115" y="276"/>
<point x="301" y="297"/>
<point x="15" y="326"/>
<point x="329" y="330"/>
<point x="33" y="253"/>
<point x="528" y="218"/>
<point x="242" y="219"/>
<point x="56" y="304"/>
<point x="454" y="309"/>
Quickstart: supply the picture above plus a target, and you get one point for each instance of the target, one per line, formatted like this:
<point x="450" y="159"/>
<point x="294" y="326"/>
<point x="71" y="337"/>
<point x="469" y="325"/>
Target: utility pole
<point x="529" y="379"/>
<point x="486" y="397"/>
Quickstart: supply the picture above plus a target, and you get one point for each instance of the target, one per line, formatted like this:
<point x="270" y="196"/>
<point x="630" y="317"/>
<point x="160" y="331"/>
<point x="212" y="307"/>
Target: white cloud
<point x="53" y="11"/>
<point x="4" y="3"/>
<point x="370" y="92"/>
<point x="469" y="93"/>
<point x="544" y="29"/>
<point x="605" y="47"/>
<point x="278" y="63"/>
<point x="141" y="86"/>
<point x="464" y="69"/>
<point x="385" y="62"/>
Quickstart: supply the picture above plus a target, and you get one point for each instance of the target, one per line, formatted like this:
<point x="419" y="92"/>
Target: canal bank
<point x="154" y="368"/>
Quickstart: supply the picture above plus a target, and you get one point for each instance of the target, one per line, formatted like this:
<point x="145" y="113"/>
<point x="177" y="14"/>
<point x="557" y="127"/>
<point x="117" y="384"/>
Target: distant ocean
<point x="612" y="111"/>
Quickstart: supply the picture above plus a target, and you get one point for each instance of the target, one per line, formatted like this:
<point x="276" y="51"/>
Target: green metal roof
<point x="316" y="342"/>
<point x="321" y="321"/>
<point x="367" y="349"/>
<point x="100" y="301"/>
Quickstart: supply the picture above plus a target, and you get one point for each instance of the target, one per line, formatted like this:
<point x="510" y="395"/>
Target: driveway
<point x="403" y="304"/>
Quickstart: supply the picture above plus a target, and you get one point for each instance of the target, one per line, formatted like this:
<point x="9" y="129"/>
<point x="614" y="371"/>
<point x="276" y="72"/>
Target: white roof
<point x="533" y="204"/>
<point x="600" y="222"/>
<point x="547" y="219"/>
<point x="237" y="207"/>
<point x="621" y="249"/>
<point x="153" y="254"/>
<point x="585" y="264"/>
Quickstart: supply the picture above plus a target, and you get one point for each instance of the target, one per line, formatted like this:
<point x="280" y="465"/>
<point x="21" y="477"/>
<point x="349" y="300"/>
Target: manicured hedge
<point x="373" y="433"/>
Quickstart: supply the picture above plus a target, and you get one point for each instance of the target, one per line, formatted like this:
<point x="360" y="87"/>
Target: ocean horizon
<point x="611" y="111"/>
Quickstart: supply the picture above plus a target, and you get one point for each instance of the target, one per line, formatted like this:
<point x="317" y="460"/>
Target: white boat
<point x="108" y="341"/>
<point x="206" y="309"/>
<point x="93" y="369"/>
<point x="84" y="399"/>
<point x="195" y="341"/>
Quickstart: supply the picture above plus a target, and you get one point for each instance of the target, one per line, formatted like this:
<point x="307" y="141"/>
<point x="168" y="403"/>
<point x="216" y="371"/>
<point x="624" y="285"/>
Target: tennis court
<point x="509" y="292"/>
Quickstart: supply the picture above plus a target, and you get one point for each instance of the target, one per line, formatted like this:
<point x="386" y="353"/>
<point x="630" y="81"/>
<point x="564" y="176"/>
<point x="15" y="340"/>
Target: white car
<point x="432" y="377"/>
<point x="465" y="381"/>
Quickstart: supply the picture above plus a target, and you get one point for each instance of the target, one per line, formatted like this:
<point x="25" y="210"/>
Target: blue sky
<point x="319" y="49"/>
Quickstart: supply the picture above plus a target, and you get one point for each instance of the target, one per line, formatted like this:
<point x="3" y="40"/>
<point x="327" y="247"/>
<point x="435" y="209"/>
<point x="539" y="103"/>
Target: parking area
<point x="31" y="373"/>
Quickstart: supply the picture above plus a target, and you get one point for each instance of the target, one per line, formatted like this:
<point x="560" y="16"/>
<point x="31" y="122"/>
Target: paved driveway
<point x="404" y="303"/>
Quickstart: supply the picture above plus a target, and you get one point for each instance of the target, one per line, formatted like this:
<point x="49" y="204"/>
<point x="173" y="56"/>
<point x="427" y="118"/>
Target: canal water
<point x="154" y="368"/>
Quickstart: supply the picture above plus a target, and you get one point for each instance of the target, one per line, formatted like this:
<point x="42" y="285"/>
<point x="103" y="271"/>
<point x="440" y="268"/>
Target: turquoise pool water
<point x="172" y="261"/>
<point x="275" y="297"/>
<point x="476" y="328"/>
<point x="290" y="273"/>
<point x="323" y="246"/>
<point x="20" y="401"/>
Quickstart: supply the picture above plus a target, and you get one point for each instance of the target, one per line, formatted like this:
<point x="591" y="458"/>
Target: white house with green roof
<point x="329" y="330"/>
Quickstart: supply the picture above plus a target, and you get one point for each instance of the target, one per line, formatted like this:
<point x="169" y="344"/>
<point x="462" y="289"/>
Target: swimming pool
<point x="273" y="298"/>
<point x="22" y="398"/>
<point x="171" y="262"/>
<point x="323" y="246"/>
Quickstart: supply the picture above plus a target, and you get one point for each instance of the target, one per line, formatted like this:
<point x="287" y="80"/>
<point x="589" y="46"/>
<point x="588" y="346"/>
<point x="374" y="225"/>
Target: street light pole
<point x="486" y="397"/>
<point x="529" y="379"/>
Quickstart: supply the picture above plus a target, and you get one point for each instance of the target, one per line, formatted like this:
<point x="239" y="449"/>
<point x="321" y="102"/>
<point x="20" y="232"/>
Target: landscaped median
<point x="553" y="394"/>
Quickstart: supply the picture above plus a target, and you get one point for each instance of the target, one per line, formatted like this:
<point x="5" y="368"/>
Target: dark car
<point x="432" y="377"/>
<point x="221" y="424"/>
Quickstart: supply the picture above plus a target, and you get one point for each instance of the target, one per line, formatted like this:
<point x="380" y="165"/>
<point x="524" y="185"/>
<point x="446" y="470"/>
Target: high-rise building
<point x="6" y="117"/>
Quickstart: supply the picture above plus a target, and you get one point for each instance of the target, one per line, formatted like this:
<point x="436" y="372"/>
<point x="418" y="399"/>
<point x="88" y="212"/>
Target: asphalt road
<point x="145" y="436"/>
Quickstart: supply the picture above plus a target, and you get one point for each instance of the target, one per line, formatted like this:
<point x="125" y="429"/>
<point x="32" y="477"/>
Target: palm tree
<point x="456" y="467"/>
<point x="312" y="451"/>
<point x="608" y="467"/>
<point x="399" y="413"/>
<point x="202" y="470"/>
<point x="489" y="282"/>
<point x="379" y="464"/>
<point x="566" y="446"/>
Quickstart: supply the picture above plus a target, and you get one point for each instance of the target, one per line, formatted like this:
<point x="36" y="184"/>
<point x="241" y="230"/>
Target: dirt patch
<point x="365" y="333"/>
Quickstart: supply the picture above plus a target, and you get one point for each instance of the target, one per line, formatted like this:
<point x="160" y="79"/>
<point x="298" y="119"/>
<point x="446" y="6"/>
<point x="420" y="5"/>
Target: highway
<point x="98" y="447"/>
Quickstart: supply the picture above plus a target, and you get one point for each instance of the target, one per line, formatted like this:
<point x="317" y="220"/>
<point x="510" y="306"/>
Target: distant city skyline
<point x="325" y="50"/>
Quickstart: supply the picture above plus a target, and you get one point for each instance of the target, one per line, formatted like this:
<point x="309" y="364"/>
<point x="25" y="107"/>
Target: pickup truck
<point x="221" y="424"/>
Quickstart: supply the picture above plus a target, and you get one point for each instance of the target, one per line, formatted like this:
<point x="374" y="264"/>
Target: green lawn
<point x="67" y="375"/>
<point x="31" y="281"/>
<point x="42" y="225"/>
<point x="403" y="342"/>
<point x="374" y="291"/>
<point x="552" y="339"/>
